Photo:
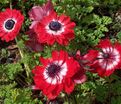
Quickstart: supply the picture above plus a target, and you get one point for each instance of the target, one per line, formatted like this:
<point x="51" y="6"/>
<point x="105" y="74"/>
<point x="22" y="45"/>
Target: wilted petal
<point x="37" y="12"/>
<point x="33" y="43"/>
<point x="48" y="7"/>
<point x="34" y="46"/>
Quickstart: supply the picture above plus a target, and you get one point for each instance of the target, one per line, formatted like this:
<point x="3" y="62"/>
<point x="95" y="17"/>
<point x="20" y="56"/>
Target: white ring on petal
<point x="114" y="61"/>
<point x="59" y="77"/>
<point x="13" y="26"/>
<point x="58" y="32"/>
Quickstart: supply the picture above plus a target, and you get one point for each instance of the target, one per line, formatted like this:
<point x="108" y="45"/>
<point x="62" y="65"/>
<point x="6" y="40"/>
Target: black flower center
<point x="54" y="25"/>
<point x="53" y="69"/>
<point x="106" y="55"/>
<point x="9" y="24"/>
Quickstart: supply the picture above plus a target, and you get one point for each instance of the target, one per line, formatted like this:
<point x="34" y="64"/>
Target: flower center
<point x="9" y="24"/>
<point x="106" y="55"/>
<point x="54" y="25"/>
<point x="53" y="69"/>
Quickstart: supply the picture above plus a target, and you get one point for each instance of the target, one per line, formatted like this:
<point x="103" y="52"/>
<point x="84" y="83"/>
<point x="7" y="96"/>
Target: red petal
<point x="39" y="82"/>
<point x="69" y="86"/>
<point x="55" y="55"/>
<point x="90" y="56"/>
<point x="70" y="25"/>
<point x="49" y="88"/>
<point x="59" y="40"/>
<point x="50" y="40"/>
<point x="104" y="43"/>
<point x="66" y="20"/>
<point x="73" y="67"/>
<point x="54" y="92"/>
<point x="69" y="34"/>
<point x="38" y="70"/>
<point x="62" y="18"/>
<point x="79" y="77"/>
<point x="44" y="61"/>
<point x="63" y="55"/>
<point x="108" y="72"/>
<point x="46" y="20"/>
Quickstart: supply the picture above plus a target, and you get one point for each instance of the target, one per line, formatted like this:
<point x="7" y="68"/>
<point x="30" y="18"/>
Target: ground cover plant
<point x="60" y="52"/>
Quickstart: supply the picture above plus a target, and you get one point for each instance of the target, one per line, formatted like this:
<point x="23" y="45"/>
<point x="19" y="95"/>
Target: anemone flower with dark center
<point x="106" y="60"/>
<point x="10" y="24"/>
<point x="54" y="28"/>
<point x="56" y="74"/>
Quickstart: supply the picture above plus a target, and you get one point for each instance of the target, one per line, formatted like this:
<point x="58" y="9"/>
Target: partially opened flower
<point x="37" y="12"/>
<point x="56" y="74"/>
<point x="89" y="60"/>
<point x="80" y="76"/>
<point x="106" y="59"/>
<point x="10" y="24"/>
<point x="54" y="28"/>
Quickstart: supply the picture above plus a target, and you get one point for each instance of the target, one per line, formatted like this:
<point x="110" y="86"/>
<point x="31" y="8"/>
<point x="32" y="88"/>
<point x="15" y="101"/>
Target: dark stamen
<point x="9" y="24"/>
<point x="53" y="69"/>
<point x="54" y="25"/>
<point x="106" y="55"/>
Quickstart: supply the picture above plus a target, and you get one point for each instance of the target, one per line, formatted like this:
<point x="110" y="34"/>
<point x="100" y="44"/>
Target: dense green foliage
<point x="95" y="19"/>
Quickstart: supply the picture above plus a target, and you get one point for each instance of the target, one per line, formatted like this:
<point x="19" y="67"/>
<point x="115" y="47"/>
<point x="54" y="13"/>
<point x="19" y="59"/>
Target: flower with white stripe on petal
<point x="109" y="58"/>
<point x="105" y="60"/>
<point x="56" y="74"/>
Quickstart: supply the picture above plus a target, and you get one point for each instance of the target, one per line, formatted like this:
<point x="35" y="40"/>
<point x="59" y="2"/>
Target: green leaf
<point x="101" y="93"/>
<point x="106" y="20"/>
<point x="13" y="69"/>
<point x="119" y="36"/>
<point x="4" y="1"/>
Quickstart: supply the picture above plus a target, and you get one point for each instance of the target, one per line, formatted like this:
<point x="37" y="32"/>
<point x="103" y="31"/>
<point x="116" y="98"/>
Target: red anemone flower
<point x="105" y="60"/>
<point x="55" y="28"/>
<point x="56" y="74"/>
<point x="10" y="24"/>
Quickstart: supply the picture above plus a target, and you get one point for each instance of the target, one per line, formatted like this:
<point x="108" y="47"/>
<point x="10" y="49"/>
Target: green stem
<point x="75" y="101"/>
<point x="22" y="56"/>
<point x="10" y="4"/>
<point x="69" y="102"/>
<point x="109" y="91"/>
<point x="20" y="51"/>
